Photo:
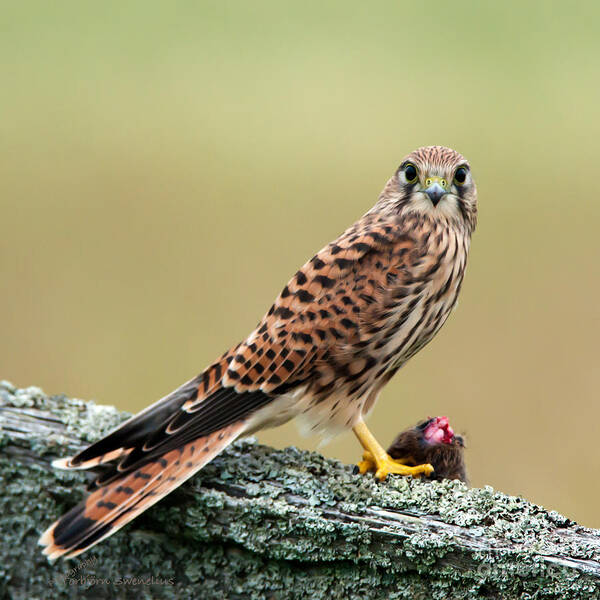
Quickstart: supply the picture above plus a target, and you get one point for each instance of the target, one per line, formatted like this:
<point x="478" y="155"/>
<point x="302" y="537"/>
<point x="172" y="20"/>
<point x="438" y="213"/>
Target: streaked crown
<point x="435" y="181"/>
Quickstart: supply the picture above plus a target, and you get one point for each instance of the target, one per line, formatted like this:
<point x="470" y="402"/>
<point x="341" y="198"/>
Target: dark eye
<point x="460" y="176"/>
<point x="410" y="172"/>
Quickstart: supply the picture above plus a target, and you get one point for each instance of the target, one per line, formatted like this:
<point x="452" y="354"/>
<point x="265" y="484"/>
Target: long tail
<point x="158" y="449"/>
<point x="111" y="507"/>
<point x="155" y="451"/>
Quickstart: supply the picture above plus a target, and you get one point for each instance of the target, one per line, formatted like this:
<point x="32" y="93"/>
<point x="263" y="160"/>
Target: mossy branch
<point x="265" y="523"/>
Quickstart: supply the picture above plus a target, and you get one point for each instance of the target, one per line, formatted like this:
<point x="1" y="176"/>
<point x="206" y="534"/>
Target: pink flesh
<point x="439" y="431"/>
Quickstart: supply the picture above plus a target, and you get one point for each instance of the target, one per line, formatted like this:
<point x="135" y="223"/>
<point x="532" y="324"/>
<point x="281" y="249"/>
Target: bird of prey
<point x="432" y="441"/>
<point x="338" y="331"/>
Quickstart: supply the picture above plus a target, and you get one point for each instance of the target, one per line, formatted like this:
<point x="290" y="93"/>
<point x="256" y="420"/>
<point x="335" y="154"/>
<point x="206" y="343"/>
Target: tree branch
<point x="265" y="523"/>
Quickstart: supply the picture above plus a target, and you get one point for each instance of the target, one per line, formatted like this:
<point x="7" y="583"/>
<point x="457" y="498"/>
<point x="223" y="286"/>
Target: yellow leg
<point x="375" y="458"/>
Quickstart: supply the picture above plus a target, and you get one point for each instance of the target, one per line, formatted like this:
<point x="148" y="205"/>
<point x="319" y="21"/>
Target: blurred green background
<point x="166" y="167"/>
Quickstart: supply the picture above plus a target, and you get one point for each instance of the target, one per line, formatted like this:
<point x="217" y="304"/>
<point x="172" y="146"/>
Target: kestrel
<point x="336" y="334"/>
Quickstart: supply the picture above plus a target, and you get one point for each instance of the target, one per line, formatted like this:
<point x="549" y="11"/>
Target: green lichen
<point x="265" y="523"/>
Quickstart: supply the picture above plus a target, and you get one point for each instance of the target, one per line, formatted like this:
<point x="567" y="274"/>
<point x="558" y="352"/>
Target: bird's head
<point x="434" y="181"/>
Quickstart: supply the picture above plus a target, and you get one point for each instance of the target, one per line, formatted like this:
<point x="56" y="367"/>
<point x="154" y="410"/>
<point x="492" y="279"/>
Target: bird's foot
<point x="385" y="465"/>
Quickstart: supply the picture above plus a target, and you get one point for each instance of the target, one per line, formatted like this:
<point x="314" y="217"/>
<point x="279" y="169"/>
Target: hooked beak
<point x="435" y="188"/>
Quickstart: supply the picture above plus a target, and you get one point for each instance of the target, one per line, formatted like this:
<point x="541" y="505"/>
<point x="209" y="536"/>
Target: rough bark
<point x="265" y="523"/>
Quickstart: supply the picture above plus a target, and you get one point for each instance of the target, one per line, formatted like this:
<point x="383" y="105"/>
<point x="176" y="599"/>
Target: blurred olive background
<point x="166" y="167"/>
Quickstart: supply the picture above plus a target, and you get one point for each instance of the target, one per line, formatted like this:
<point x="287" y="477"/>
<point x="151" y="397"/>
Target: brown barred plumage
<point x="339" y="330"/>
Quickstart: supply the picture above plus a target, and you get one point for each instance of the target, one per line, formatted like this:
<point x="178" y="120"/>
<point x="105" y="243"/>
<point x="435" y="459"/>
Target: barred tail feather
<point x="111" y="507"/>
<point x="67" y="463"/>
<point x="158" y="449"/>
<point x="119" y="442"/>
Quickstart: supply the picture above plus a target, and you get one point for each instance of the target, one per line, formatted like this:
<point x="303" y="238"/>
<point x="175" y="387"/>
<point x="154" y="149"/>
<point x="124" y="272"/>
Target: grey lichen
<point x="265" y="523"/>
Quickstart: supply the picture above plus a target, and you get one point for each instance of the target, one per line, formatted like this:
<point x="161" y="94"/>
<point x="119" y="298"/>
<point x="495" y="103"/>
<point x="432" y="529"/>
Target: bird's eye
<point x="460" y="176"/>
<point x="410" y="172"/>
